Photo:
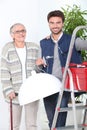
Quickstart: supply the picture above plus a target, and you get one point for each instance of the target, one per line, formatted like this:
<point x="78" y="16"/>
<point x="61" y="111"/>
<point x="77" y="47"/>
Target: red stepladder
<point x="72" y="90"/>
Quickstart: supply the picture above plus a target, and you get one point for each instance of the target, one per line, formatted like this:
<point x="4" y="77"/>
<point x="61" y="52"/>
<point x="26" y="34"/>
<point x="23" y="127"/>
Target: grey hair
<point x="11" y="28"/>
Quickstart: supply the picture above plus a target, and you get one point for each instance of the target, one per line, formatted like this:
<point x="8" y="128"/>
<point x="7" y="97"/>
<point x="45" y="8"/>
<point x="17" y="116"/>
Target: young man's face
<point x="55" y="25"/>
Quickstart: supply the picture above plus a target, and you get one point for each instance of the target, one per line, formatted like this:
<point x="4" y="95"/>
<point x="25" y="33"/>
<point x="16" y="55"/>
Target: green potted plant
<point x="74" y="17"/>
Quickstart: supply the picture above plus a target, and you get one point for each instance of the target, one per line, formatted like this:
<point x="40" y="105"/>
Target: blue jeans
<point x="50" y="105"/>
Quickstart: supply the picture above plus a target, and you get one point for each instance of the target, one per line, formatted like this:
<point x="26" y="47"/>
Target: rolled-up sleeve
<point x="80" y="44"/>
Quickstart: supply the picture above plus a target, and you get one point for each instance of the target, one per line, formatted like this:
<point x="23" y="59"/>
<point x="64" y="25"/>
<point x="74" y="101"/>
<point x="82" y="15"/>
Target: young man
<point x="18" y="59"/>
<point x="54" y="50"/>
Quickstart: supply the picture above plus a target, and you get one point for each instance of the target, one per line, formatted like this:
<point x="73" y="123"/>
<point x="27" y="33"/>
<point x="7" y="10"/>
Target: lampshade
<point x="38" y="86"/>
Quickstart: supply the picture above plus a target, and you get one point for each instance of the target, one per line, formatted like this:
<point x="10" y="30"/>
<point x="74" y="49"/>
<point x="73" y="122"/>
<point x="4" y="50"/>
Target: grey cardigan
<point x="11" y="68"/>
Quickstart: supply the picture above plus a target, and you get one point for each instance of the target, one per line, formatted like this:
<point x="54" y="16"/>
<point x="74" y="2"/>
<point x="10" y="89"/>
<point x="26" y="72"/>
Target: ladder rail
<point x="73" y="99"/>
<point x="85" y="114"/>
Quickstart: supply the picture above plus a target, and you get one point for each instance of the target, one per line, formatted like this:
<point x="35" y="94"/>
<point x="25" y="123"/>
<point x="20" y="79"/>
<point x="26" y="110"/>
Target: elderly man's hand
<point x="39" y="62"/>
<point x="11" y="95"/>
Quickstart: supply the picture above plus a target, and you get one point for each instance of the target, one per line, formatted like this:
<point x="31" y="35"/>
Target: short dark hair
<point x="56" y="13"/>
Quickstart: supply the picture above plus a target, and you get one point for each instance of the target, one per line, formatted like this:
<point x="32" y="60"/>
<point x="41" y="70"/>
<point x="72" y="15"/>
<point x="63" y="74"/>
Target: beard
<point x="56" y="32"/>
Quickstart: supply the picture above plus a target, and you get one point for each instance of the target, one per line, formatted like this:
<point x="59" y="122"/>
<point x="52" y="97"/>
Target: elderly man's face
<point x="18" y="33"/>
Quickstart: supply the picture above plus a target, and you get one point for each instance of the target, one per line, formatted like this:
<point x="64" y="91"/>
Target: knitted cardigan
<point x="11" y="67"/>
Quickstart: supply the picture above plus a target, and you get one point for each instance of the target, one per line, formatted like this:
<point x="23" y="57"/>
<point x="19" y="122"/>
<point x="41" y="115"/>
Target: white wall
<point x="32" y="13"/>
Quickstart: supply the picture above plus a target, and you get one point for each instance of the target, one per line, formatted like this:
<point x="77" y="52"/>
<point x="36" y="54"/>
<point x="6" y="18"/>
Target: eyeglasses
<point x="19" y="31"/>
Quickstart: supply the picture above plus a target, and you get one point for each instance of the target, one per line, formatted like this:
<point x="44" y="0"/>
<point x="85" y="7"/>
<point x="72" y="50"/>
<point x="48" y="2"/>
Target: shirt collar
<point x="56" y="41"/>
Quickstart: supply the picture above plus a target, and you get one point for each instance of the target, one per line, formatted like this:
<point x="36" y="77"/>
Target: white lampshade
<point x="38" y="86"/>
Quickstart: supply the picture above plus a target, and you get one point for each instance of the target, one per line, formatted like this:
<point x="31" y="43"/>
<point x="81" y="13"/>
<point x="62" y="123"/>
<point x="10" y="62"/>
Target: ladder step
<point x="70" y="108"/>
<point x="71" y="127"/>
